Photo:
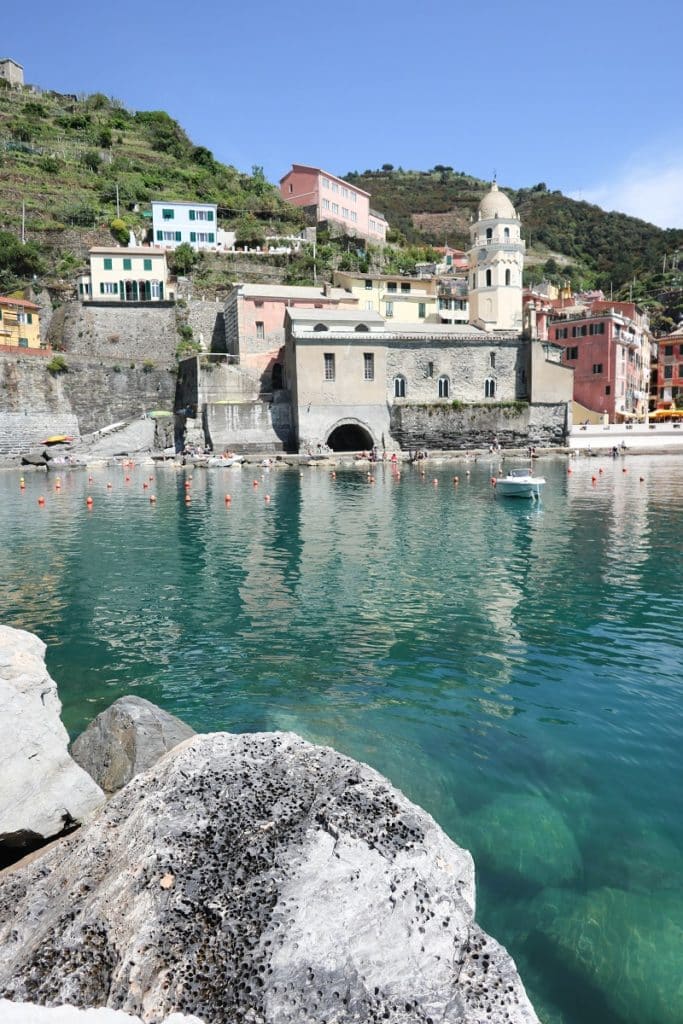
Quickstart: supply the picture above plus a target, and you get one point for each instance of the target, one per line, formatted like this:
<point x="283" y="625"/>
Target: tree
<point x="104" y="138"/>
<point x="18" y="263"/>
<point x="387" y="167"/>
<point x="183" y="259"/>
<point x="92" y="160"/>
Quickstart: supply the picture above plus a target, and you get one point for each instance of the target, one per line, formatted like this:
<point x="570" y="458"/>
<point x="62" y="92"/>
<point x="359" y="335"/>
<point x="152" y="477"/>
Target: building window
<point x="506" y="234"/>
<point x="488" y="278"/>
<point x="107" y="264"/>
<point x="109" y="288"/>
<point x="345" y="212"/>
<point x="147" y="264"/>
<point x="326" y="183"/>
<point x="422" y="310"/>
<point x="362" y="328"/>
<point x="326" y="204"/>
<point x="399" y="387"/>
<point x="320" y="327"/>
<point x="572" y="352"/>
<point x="405" y="287"/>
<point x="368" y="284"/>
<point x="127" y="263"/>
<point x="597" y="367"/>
<point x="354" y="215"/>
<point x="508" y="277"/>
<point x="23" y="342"/>
<point x="430" y="369"/>
<point x="668" y="350"/>
<point x="668" y="372"/>
<point x="608" y="389"/>
<point x="444" y="387"/>
<point x="389" y="309"/>
<point x="489" y="234"/>
<point x="368" y="366"/>
<point x="260" y="330"/>
<point x="328" y="360"/>
<point x="489" y="388"/>
<point x="335" y="207"/>
<point x="168" y="214"/>
<point x="492" y="360"/>
<point x="391" y="286"/>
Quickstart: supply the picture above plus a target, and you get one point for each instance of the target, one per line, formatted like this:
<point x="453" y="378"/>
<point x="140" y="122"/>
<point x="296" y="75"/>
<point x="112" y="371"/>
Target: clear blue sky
<point x="584" y="96"/>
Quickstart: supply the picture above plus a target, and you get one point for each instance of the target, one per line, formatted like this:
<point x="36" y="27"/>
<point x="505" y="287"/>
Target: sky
<point x="585" y="96"/>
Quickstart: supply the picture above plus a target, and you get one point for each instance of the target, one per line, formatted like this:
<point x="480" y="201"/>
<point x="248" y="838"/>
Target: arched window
<point x="508" y="277"/>
<point x="320" y="327"/>
<point x="488" y="278"/>
<point x="399" y="387"/>
<point x="444" y="387"/>
<point x="489" y="388"/>
<point x="276" y="377"/>
<point x="362" y="327"/>
<point x="489" y="234"/>
<point x="506" y="234"/>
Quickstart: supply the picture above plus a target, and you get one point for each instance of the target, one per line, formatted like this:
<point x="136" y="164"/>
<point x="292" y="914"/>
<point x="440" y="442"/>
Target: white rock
<point x="41" y="789"/>
<point x="28" y="1013"/>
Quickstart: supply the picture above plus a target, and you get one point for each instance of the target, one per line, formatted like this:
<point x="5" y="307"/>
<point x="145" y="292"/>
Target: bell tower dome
<point x="496" y="262"/>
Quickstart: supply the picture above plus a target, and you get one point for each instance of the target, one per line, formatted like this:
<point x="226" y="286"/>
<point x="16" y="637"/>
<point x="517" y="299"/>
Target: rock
<point x="127" y="738"/>
<point x="524" y="836"/>
<point x="257" y="879"/>
<point x="625" y="945"/>
<point x="42" y="791"/>
<point x="29" y="1013"/>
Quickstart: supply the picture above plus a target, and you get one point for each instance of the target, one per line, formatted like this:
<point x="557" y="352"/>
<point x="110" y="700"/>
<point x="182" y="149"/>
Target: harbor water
<point x="514" y="667"/>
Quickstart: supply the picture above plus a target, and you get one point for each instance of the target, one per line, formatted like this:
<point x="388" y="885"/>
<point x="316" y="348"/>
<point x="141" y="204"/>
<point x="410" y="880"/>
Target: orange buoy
<point x="41" y="500"/>
<point x="624" y="470"/>
<point x="333" y="475"/>
<point x="266" y="498"/>
<point x="89" y="502"/>
<point x="188" y="499"/>
<point x="601" y="470"/>
<point x="187" y="485"/>
<point x="152" y="498"/>
<point x="89" y="479"/>
<point x="255" y="483"/>
<point x="228" y="499"/>
<point x="594" y="479"/>
<point x="456" y="480"/>
<point x="127" y="479"/>
<point x="145" y="486"/>
<point x="151" y="478"/>
<point x="569" y="471"/>
<point x="493" y="481"/>
<point x="109" y="486"/>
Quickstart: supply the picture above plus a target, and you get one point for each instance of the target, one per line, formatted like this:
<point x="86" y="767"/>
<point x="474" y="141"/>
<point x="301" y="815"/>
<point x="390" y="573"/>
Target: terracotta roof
<point x="7" y="300"/>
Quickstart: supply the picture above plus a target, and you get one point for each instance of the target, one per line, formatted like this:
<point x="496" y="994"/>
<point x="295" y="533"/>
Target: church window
<point x="506" y="234"/>
<point x="489" y="234"/>
<point x="399" y="387"/>
<point x="320" y="327"/>
<point x="508" y="277"/>
<point x="488" y="278"/>
<point x="328" y="365"/>
<point x="444" y="387"/>
<point x="492" y="360"/>
<point x="489" y="388"/>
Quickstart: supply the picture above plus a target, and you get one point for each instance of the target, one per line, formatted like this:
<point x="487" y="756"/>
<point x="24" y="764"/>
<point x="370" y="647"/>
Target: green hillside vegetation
<point x="576" y="240"/>
<point x="64" y="157"/>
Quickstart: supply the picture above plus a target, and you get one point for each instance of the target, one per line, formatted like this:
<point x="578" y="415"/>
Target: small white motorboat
<point x="520" y="483"/>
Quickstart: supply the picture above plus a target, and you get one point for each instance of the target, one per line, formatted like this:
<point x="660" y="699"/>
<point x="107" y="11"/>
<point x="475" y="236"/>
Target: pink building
<point x="255" y="322"/>
<point x="330" y="198"/>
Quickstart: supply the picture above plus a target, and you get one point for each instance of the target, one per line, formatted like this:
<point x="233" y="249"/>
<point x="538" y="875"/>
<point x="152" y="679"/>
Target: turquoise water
<point x="514" y="669"/>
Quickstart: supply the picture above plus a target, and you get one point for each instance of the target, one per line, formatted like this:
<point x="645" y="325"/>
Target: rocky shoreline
<point x="235" y="878"/>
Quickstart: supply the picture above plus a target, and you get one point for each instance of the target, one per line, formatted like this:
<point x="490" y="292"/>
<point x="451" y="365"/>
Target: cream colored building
<point x="402" y="300"/>
<point x="126" y="275"/>
<point x="496" y="263"/>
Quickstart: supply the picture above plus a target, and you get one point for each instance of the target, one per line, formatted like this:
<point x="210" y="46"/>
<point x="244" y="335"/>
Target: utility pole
<point x="23" y="222"/>
<point x="118" y="208"/>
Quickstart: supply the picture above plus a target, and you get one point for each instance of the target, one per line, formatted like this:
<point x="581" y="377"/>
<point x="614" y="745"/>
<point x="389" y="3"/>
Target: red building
<point x="670" y="368"/>
<point x="608" y="345"/>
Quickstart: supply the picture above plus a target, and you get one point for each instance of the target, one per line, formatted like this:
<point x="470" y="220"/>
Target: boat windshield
<point x="519" y="472"/>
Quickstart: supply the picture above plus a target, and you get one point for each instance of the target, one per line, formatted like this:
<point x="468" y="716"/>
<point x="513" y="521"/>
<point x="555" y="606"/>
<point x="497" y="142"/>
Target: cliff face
<point x="257" y="878"/>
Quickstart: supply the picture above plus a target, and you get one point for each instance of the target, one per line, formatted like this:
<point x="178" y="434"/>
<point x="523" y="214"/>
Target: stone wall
<point x="467" y="364"/>
<point x="249" y="426"/>
<point x="100" y="394"/>
<point x="116" y="333"/>
<point x="441" y="426"/>
<point x="207" y="323"/>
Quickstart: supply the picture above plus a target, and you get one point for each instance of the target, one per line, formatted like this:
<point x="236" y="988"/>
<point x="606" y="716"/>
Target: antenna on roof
<point x="495" y="174"/>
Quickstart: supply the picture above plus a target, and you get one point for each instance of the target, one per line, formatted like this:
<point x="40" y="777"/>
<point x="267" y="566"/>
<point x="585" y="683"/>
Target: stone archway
<point x="350" y="436"/>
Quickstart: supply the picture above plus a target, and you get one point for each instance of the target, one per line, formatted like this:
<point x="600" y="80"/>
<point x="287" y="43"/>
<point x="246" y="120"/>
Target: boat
<point x="520" y="483"/>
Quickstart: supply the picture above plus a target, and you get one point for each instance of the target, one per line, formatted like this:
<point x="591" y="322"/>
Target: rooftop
<point x="292" y="291"/>
<point x="321" y="170"/>
<point x="8" y="300"/>
<point x="181" y="202"/>
<point x="122" y="250"/>
<point x="354" y="316"/>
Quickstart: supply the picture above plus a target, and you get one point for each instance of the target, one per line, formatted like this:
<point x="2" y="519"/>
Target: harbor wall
<point x="453" y="428"/>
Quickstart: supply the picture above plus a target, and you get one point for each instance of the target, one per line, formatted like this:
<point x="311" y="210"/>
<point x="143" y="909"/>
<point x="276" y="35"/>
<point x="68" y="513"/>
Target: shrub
<point x="92" y="160"/>
<point x="50" y="164"/>
<point x="104" y="138"/>
<point x="182" y="259"/>
<point x="57" y="365"/>
<point x="148" y="365"/>
<point x="119" y="230"/>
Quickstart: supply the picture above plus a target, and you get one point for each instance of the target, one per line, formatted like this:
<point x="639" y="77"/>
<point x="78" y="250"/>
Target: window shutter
<point x="148" y="264"/>
<point x="210" y="217"/>
<point x="192" y="215"/>
<point x="29" y="318"/>
<point x="193" y="236"/>
<point x="212" y="237"/>
<point x="177" y="236"/>
<point x="160" y="236"/>
<point x="101" y="287"/>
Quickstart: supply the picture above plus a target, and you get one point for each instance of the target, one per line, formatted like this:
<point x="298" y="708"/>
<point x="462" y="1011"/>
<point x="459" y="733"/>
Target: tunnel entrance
<point x="350" y="437"/>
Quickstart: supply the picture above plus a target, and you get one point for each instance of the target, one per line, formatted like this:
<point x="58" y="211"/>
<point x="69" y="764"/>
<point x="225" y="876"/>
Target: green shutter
<point x="148" y="264"/>
<point x="116" y="288"/>
<point x="212" y="237"/>
<point x="127" y="264"/>
<point x="193" y="236"/>
<point x="178" y="236"/>
<point x="210" y="217"/>
<point x="101" y="287"/>
<point x="168" y="214"/>
<point x="191" y="214"/>
<point x="29" y="318"/>
<point x="107" y="264"/>
<point x="160" y="236"/>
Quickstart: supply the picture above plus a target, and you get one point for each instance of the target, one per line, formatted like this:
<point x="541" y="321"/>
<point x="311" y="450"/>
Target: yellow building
<point x="19" y="324"/>
<point x="404" y="300"/>
<point x="135" y="274"/>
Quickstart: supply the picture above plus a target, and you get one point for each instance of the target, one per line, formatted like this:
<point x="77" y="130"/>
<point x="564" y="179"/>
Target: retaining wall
<point x="447" y="428"/>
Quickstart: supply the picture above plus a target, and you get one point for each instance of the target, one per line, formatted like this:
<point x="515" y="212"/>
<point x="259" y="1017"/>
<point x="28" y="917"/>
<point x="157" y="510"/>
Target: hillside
<point x="64" y="157"/>
<point x="594" y="248"/>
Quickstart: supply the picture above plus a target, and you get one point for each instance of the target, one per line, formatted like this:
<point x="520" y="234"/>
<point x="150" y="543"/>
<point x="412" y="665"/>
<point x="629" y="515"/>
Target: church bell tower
<point x="496" y="262"/>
